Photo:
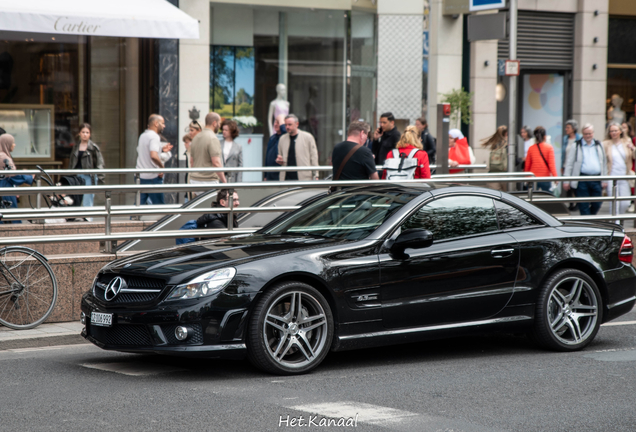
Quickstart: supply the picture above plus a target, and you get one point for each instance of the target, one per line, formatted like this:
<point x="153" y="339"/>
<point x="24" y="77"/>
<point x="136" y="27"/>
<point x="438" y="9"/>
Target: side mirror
<point x="415" y="238"/>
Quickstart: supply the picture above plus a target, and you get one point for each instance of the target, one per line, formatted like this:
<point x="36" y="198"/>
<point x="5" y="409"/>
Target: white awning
<point x="118" y="18"/>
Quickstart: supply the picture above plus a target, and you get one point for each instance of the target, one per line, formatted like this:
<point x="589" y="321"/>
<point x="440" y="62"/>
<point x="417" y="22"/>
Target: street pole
<point x="443" y="113"/>
<point x="512" y="92"/>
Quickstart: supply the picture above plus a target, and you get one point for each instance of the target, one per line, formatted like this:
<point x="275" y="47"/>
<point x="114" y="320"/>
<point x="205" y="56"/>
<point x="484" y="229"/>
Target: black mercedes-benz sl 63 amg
<point x="365" y="267"/>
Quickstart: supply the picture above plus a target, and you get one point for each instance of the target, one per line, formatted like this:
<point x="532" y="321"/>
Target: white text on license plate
<point x="101" y="319"/>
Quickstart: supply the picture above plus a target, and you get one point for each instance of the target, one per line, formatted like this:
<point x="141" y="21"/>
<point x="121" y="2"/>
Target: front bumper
<point x="213" y="332"/>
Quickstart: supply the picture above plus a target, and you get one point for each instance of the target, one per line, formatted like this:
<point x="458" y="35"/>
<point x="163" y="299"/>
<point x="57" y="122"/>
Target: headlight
<point x="204" y="285"/>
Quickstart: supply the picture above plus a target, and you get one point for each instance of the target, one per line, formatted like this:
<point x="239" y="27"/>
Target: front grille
<point x="195" y="338"/>
<point x="133" y="282"/>
<point x="122" y="335"/>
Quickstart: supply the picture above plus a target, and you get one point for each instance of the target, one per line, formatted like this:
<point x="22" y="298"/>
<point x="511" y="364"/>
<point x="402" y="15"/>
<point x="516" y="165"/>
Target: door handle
<point x="502" y="253"/>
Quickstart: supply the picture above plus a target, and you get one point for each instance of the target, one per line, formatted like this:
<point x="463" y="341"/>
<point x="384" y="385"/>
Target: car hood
<point x="193" y="258"/>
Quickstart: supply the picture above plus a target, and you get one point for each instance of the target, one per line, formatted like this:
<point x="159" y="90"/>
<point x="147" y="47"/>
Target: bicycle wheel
<point x="28" y="288"/>
<point x="46" y="202"/>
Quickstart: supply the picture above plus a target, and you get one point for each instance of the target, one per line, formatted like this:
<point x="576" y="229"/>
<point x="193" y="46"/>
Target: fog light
<point x="83" y="318"/>
<point x="181" y="333"/>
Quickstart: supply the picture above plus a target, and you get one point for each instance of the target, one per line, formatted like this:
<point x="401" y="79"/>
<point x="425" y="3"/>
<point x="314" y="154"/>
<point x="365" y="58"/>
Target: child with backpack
<point x="408" y="161"/>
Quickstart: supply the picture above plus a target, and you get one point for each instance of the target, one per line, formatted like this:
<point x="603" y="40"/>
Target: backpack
<point x="498" y="160"/>
<point x="401" y="167"/>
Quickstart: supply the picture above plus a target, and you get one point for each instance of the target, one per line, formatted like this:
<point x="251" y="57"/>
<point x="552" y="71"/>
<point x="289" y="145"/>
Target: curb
<point x="38" y="342"/>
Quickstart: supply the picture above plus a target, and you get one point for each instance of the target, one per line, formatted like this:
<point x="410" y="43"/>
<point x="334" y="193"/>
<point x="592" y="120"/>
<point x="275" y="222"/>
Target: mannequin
<point x="615" y="113"/>
<point x="278" y="106"/>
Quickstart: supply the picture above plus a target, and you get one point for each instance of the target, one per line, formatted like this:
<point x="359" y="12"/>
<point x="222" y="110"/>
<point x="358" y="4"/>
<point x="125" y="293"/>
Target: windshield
<point x="348" y="216"/>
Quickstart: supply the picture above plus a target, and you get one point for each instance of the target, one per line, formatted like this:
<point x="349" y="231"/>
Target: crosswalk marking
<point x="133" y="368"/>
<point x="364" y="413"/>
<point x="619" y="323"/>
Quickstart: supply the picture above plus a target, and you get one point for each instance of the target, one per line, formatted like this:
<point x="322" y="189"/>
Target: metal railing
<point x="109" y="211"/>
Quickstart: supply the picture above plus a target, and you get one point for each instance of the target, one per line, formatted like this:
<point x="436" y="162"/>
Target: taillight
<point x="626" y="251"/>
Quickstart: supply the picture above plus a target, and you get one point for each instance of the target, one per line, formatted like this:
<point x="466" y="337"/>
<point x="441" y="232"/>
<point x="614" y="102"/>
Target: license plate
<point x="101" y="319"/>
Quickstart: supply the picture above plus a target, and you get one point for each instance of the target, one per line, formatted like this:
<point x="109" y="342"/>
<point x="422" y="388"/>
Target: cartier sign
<point x="70" y="25"/>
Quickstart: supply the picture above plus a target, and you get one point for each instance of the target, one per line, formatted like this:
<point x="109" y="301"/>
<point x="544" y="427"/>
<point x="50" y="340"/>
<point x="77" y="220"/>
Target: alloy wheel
<point x="572" y="311"/>
<point x="295" y="330"/>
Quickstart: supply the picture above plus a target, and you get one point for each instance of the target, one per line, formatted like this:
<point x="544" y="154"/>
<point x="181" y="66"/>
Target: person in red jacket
<point x="540" y="159"/>
<point x="459" y="152"/>
<point x="411" y="140"/>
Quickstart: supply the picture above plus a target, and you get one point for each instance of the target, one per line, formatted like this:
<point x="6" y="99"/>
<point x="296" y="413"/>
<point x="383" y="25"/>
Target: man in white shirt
<point x="587" y="158"/>
<point x="151" y="154"/>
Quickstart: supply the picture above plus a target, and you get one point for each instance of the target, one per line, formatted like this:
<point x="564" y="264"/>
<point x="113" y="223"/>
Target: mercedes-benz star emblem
<point x="114" y="287"/>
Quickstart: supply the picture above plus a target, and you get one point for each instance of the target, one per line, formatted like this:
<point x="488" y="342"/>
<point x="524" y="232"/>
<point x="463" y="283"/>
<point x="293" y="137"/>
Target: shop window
<point x="232" y="80"/>
<point x="41" y="79"/>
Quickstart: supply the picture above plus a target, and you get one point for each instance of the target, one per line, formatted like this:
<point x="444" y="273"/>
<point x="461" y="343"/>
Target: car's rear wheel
<point x="569" y="311"/>
<point x="291" y="329"/>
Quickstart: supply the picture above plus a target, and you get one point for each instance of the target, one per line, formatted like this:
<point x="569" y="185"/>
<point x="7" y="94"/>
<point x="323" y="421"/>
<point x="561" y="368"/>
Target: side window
<point x="511" y="217"/>
<point x="455" y="216"/>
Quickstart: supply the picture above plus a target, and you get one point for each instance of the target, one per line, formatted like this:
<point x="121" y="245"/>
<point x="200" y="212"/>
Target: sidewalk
<point x="67" y="333"/>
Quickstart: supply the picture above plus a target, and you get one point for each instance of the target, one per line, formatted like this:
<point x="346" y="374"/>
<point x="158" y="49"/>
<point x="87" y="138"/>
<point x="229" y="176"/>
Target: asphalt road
<point x="483" y="383"/>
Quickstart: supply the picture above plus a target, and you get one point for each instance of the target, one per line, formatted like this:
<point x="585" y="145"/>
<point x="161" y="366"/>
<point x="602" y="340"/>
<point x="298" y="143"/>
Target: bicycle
<point x="28" y="287"/>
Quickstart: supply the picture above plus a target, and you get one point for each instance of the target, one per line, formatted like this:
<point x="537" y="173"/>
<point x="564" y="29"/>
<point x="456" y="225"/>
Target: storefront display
<point x="32" y="127"/>
<point x="315" y="63"/>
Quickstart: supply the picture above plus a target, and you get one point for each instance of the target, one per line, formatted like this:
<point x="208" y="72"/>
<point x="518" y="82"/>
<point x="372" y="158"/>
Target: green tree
<point x="460" y="102"/>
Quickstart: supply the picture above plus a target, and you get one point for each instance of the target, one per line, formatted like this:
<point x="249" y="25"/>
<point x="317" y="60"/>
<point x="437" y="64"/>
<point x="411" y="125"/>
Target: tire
<point x="568" y="312"/>
<point x="291" y="329"/>
<point x="28" y="288"/>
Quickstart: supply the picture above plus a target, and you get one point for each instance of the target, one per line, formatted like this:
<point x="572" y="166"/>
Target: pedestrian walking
<point x="587" y="158"/>
<point x="272" y="148"/>
<point x="459" y="152"/>
<point x="429" y="143"/>
<point x="628" y="129"/>
<point x="87" y="155"/>
<point x="295" y="149"/>
<point x="410" y="145"/>
<point x="152" y="154"/>
<point x="7" y="145"/>
<point x="193" y="129"/>
<point x="385" y="138"/>
<point x="619" y="152"/>
<point x="498" y="157"/>
<point x="528" y="140"/>
<point x="232" y="151"/>
<point x="350" y="159"/>
<point x="206" y="152"/>
<point x="570" y="138"/>
<point x="540" y="159"/>
<point x="187" y="141"/>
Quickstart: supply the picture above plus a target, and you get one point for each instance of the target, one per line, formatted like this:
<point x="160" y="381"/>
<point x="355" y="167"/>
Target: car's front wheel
<point x="569" y="311"/>
<point x="291" y="329"/>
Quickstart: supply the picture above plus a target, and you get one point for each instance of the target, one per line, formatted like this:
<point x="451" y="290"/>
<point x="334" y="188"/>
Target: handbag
<point x="553" y="185"/>
<point x="632" y="182"/>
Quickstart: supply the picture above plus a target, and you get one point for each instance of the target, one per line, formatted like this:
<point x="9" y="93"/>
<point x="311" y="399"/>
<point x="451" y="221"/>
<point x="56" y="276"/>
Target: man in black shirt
<point x="385" y="138"/>
<point x="361" y="164"/>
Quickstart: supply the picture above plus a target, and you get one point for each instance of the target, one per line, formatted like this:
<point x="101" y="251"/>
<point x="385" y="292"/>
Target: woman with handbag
<point x="498" y="158"/>
<point x="540" y="159"/>
<point x="619" y="152"/>
<point x="87" y="155"/>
